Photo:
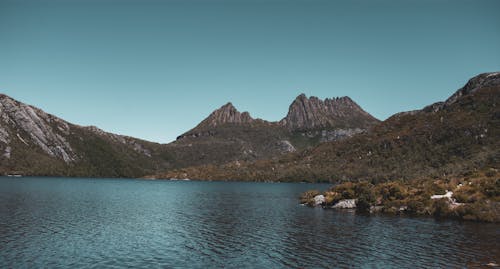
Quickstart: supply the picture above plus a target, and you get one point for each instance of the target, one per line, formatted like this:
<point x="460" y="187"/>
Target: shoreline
<point x="473" y="198"/>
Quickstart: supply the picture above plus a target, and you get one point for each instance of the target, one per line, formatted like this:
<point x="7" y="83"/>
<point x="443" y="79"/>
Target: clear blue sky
<point x="154" y="69"/>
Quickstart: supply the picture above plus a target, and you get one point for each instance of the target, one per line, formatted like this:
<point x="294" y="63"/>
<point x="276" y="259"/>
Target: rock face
<point x="286" y="146"/>
<point x="485" y="80"/>
<point x="345" y="204"/>
<point x="319" y="200"/>
<point x="313" y="114"/>
<point x="226" y="114"/>
<point x="228" y="135"/>
<point x="33" y="126"/>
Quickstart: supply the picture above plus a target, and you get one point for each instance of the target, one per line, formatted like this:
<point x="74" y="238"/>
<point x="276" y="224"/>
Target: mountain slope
<point x="227" y="114"/>
<point x="33" y="142"/>
<point x="229" y="135"/>
<point x="447" y="138"/>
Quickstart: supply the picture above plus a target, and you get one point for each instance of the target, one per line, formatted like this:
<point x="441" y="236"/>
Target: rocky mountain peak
<point x="313" y="113"/>
<point x="226" y="114"/>
<point x="480" y="81"/>
<point x="474" y="84"/>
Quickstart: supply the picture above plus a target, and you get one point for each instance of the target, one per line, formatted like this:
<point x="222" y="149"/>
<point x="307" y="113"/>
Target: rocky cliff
<point x="316" y="114"/>
<point x="30" y="126"/>
<point x="227" y="114"/>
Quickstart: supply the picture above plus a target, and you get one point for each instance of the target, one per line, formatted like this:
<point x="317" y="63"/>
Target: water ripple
<point x="104" y="223"/>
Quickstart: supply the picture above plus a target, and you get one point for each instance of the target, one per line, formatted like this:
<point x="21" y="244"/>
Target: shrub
<point x="440" y="208"/>
<point x="438" y="187"/>
<point x="308" y="197"/>
<point x="332" y="197"/>
<point x="479" y="211"/>
<point x="365" y="196"/>
<point x="490" y="173"/>
<point x="392" y="191"/>
<point x="416" y="206"/>
<point x="346" y="190"/>
<point x="491" y="187"/>
<point x="364" y="202"/>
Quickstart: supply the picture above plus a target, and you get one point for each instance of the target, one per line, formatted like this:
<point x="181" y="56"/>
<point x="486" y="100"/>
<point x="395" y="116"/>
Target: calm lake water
<point x="115" y="223"/>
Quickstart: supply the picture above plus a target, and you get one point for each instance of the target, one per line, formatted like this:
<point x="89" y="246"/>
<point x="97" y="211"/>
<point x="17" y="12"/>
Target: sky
<point x="154" y="69"/>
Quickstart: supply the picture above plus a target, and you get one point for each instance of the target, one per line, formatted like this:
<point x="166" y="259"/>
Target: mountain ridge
<point x="34" y="142"/>
<point x="304" y="114"/>
<point x="451" y="137"/>
<point x="229" y="135"/>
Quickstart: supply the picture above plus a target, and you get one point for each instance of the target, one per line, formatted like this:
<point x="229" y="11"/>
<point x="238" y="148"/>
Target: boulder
<point x="319" y="199"/>
<point x="448" y="195"/>
<point x="345" y="204"/>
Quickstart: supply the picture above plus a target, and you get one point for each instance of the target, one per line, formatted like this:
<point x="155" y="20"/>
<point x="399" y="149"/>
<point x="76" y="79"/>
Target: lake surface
<point x="115" y="223"/>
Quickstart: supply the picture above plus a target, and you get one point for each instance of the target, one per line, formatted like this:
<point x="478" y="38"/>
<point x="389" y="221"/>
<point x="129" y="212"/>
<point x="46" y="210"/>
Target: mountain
<point x="227" y="114"/>
<point x="33" y="142"/>
<point x="229" y="135"/>
<point x="454" y="137"/>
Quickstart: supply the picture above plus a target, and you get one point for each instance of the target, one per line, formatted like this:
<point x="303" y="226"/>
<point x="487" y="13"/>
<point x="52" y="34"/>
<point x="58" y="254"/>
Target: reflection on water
<point x="63" y="222"/>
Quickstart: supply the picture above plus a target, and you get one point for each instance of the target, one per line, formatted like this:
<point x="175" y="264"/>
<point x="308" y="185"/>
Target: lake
<point x="115" y="223"/>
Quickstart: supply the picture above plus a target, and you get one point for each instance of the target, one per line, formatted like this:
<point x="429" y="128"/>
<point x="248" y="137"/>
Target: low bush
<point x="308" y="197"/>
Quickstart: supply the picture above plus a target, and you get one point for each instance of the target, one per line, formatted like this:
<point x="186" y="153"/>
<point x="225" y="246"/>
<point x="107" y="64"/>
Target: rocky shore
<point x="474" y="197"/>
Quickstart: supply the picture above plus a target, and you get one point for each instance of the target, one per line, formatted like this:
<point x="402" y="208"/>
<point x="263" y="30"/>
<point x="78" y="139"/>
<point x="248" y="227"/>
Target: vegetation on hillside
<point x="455" y="140"/>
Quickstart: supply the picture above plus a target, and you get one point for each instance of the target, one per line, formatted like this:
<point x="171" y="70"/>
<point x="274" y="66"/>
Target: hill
<point x="33" y="142"/>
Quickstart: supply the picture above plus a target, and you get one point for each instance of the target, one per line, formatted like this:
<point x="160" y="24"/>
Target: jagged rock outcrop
<point x="313" y="114"/>
<point x="226" y="114"/>
<point x="228" y="135"/>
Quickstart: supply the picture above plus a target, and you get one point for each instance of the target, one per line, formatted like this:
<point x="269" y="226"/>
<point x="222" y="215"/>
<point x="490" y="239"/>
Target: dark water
<point x="115" y="223"/>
